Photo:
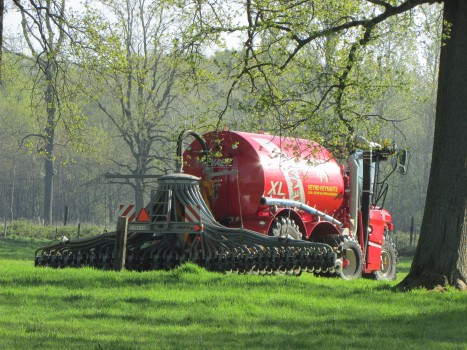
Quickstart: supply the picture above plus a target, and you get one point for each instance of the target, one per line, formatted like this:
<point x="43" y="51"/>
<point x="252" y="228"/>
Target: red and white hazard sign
<point x="192" y="213"/>
<point x="127" y="210"/>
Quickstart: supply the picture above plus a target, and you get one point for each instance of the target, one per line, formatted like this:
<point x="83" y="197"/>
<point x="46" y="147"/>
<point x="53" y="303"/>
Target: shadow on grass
<point x="440" y="330"/>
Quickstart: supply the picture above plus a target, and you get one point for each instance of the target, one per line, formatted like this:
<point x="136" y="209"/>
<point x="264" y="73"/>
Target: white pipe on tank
<point x="296" y="204"/>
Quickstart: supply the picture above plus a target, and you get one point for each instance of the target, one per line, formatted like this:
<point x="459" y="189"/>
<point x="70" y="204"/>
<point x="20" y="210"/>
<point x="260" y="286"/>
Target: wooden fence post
<point x="65" y="216"/>
<point x="120" y="243"/>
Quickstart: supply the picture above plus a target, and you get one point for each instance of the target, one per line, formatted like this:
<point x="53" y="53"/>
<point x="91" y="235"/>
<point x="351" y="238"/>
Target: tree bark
<point x="2" y="10"/>
<point x="50" y="72"/>
<point x="139" y="195"/>
<point x="441" y="256"/>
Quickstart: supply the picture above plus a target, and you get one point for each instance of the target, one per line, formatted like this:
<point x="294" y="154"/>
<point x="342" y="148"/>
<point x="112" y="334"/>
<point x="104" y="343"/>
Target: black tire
<point x="388" y="268"/>
<point x="348" y="252"/>
<point x="352" y="254"/>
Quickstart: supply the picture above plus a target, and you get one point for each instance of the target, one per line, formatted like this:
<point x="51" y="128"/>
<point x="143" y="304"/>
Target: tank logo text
<point x="323" y="190"/>
<point x="276" y="189"/>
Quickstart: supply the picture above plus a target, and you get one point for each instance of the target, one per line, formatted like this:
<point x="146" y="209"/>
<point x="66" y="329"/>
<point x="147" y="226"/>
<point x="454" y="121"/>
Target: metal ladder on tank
<point x="161" y="218"/>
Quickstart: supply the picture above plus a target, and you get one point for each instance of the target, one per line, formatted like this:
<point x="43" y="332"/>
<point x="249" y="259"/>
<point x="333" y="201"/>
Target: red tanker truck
<point x="294" y="188"/>
<point x="253" y="203"/>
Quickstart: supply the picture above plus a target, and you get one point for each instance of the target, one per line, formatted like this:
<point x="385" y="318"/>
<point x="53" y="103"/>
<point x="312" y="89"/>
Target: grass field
<point x="42" y="308"/>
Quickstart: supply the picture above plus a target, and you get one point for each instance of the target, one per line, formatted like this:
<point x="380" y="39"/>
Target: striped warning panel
<point x="192" y="213"/>
<point x="127" y="210"/>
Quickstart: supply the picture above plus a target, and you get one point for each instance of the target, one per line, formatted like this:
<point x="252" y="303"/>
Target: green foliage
<point x="405" y="248"/>
<point x="191" y="308"/>
<point x="23" y="229"/>
<point x="143" y="82"/>
<point x="317" y="70"/>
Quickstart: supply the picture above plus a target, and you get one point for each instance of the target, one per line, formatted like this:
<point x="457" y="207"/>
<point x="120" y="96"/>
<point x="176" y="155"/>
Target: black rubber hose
<point x="180" y="150"/>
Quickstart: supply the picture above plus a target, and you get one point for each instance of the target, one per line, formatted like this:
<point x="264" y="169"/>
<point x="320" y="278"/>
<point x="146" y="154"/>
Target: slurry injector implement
<point x="255" y="203"/>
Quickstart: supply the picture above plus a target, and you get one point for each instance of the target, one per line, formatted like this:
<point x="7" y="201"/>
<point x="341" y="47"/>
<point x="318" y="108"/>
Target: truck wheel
<point x="285" y="227"/>
<point x="348" y="252"/>
<point x="388" y="268"/>
<point x="352" y="260"/>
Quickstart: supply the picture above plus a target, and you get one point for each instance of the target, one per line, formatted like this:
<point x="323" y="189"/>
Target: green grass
<point x="42" y="308"/>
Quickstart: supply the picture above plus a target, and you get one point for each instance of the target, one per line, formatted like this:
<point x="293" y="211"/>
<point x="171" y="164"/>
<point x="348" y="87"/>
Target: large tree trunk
<point x="441" y="255"/>
<point x="2" y="10"/>
<point x="48" y="190"/>
<point x="49" y="136"/>
<point x="139" y="195"/>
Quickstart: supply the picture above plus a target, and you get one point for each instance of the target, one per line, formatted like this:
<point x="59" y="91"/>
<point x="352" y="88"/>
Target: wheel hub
<point x="286" y="228"/>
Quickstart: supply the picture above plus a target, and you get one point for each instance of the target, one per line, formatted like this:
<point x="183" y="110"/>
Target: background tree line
<point x="111" y="87"/>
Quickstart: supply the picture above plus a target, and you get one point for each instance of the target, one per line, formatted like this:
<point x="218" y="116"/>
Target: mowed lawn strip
<point x="191" y="308"/>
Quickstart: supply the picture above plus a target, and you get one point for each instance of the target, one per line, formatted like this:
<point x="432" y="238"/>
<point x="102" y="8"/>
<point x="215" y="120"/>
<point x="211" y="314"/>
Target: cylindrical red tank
<point x="247" y="166"/>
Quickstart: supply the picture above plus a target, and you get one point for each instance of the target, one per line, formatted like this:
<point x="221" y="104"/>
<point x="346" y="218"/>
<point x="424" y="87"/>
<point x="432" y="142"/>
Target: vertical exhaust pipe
<point x="354" y="202"/>
<point x="366" y="196"/>
<point x="366" y="146"/>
